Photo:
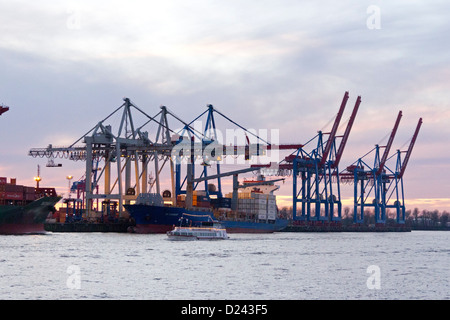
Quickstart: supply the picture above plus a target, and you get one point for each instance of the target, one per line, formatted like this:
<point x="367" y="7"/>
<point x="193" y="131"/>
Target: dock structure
<point x="120" y="155"/>
<point x="316" y="190"/>
<point x="152" y="142"/>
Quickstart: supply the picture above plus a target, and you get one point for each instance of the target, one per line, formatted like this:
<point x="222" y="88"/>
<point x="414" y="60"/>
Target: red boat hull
<point x="25" y="228"/>
<point x="17" y="219"/>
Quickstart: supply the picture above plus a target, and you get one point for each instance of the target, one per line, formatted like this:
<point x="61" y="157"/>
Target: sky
<point x="281" y="65"/>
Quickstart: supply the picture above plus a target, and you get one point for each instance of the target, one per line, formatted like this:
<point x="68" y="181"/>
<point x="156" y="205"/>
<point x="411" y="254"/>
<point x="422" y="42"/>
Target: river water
<point x="279" y="266"/>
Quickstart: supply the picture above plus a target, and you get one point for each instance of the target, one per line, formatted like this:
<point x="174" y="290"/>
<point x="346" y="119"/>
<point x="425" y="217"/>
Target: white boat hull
<point x="193" y="238"/>
<point x="193" y="234"/>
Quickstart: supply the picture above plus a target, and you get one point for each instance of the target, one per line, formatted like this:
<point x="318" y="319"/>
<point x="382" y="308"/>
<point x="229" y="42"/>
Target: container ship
<point x="256" y="210"/>
<point x="24" y="209"/>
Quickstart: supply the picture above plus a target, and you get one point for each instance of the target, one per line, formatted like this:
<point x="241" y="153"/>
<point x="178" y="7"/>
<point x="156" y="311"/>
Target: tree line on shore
<point x="416" y="219"/>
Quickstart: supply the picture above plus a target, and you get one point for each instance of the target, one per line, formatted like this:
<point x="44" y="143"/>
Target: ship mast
<point x="38" y="177"/>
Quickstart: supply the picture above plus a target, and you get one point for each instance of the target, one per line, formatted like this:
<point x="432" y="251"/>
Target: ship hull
<point x="150" y="228"/>
<point x="159" y="219"/>
<point x="26" y="219"/>
<point x="254" y="227"/>
<point x="21" y="228"/>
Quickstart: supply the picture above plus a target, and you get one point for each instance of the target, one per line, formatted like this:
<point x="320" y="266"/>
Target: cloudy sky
<point x="285" y="64"/>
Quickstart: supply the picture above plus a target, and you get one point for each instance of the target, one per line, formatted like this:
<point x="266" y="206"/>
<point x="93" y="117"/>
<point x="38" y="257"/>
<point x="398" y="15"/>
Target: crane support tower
<point x="317" y="170"/>
<point x="398" y="189"/>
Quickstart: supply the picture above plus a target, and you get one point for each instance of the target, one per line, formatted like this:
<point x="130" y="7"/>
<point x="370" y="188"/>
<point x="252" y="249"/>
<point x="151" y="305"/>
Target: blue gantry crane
<point x="396" y="178"/>
<point x="212" y="150"/>
<point x="318" y="169"/>
<point x="368" y="181"/>
<point x="375" y="186"/>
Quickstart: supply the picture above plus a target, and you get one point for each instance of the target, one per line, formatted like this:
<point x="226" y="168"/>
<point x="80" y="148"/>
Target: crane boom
<point x="389" y="144"/>
<point x="225" y="174"/>
<point x="346" y="133"/>
<point x="333" y="130"/>
<point x="411" y="145"/>
<point x="3" y="110"/>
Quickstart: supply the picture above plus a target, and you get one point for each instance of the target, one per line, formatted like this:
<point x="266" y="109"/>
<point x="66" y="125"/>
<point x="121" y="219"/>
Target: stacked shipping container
<point x="18" y="194"/>
<point x="199" y="199"/>
<point x="260" y="205"/>
<point x="12" y="193"/>
<point x="251" y="205"/>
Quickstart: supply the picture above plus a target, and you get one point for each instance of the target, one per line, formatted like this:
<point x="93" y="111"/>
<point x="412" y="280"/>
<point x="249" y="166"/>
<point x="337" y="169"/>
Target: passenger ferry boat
<point x="207" y="230"/>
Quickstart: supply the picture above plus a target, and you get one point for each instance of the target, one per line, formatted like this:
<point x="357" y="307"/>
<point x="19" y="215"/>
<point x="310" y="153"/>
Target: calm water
<point x="285" y="266"/>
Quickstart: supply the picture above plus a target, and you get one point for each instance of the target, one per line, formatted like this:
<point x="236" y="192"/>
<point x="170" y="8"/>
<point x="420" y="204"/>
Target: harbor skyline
<point x="282" y="66"/>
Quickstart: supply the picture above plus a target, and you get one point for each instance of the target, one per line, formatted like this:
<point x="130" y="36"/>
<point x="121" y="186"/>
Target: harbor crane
<point x="330" y="142"/>
<point x="398" y="188"/>
<point x="378" y="182"/>
<point x="129" y="145"/>
<point x="138" y="143"/>
<point x="340" y="151"/>
<point x="215" y="151"/>
<point x="379" y="163"/>
<point x="317" y="170"/>
<point x="369" y="183"/>
<point x="401" y="166"/>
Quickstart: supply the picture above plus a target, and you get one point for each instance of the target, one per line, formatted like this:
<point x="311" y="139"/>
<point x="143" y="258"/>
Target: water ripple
<point x="275" y="266"/>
